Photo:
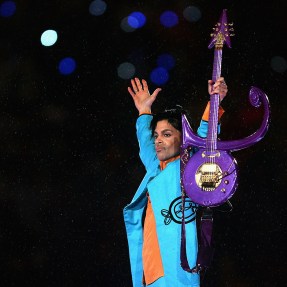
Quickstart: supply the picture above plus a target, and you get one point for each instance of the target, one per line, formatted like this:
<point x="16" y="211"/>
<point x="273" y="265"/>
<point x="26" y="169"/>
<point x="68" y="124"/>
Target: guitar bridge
<point x="208" y="176"/>
<point x="208" y="181"/>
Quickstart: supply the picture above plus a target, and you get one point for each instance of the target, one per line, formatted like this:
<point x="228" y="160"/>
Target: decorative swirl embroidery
<point x="174" y="213"/>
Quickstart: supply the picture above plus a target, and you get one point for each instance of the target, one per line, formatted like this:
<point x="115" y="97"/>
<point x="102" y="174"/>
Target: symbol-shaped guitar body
<point x="210" y="177"/>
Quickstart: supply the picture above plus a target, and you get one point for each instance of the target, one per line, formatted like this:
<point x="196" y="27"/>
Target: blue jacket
<point x="165" y="194"/>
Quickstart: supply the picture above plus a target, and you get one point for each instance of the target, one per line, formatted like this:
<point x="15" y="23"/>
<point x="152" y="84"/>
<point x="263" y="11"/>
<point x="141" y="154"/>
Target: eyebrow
<point x="163" y="131"/>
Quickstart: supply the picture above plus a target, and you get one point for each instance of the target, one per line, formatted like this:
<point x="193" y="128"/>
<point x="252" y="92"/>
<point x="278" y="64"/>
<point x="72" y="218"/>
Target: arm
<point x="143" y="102"/>
<point x="146" y="142"/>
<point x="218" y="87"/>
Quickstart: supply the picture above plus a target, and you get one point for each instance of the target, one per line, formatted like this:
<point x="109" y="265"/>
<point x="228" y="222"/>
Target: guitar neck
<point x="211" y="141"/>
<point x="216" y="71"/>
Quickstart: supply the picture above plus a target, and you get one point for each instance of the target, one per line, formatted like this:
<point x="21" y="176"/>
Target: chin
<point x="162" y="158"/>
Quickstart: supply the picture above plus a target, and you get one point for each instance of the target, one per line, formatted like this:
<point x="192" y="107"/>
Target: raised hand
<point x="143" y="100"/>
<point x="219" y="87"/>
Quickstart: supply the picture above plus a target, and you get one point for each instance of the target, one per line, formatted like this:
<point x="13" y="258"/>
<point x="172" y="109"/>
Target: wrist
<point x="144" y="111"/>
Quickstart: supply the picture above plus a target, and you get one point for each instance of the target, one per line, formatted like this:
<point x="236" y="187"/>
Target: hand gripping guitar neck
<point x="209" y="178"/>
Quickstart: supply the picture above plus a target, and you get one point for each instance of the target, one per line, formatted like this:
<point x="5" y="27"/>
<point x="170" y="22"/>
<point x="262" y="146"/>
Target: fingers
<point x="131" y="92"/>
<point x="141" y="86"/>
<point x="155" y="93"/>
<point x="137" y="84"/>
<point x="217" y="87"/>
<point x="219" y="81"/>
<point x="134" y="85"/>
<point x="145" y="86"/>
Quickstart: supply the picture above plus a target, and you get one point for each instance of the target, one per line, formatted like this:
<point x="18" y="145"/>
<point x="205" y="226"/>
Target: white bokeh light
<point x="49" y="38"/>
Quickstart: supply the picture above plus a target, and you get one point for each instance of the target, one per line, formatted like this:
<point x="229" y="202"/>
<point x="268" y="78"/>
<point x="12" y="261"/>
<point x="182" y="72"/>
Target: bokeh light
<point x="97" y="7"/>
<point x="169" y="19"/>
<point x="159" y="76"/>
<point x="49" y="38"/>
<point x="7" y="8"/>
<point x="125" y="26"/>
<point x="166" y="61"/>
<point x="192" y="14"/>
<point x="278" y="64"/>
<point x="136" y="20"/>
<point x="69" y="151"/>
<point x="126" y="70"/>
<point x="67" y="66"/>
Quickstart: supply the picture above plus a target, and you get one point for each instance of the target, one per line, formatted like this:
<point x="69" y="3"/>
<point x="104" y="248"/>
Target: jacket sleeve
<point x="146" y="143"/>
<point x="203" y="129"/>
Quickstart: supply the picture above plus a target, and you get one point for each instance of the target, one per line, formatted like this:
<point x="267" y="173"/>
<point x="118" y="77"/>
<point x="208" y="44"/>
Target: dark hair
<point x="173" y="116"/>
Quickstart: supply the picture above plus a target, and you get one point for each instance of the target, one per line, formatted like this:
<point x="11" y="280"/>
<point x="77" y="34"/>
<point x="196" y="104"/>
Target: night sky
<point x="68" y="152"/>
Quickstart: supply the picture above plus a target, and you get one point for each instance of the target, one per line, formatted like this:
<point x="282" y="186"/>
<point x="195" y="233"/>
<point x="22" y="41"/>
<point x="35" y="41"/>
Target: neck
<point x="164" y="163"/>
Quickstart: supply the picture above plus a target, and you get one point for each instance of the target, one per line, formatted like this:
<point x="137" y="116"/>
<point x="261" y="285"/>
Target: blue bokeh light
<point x="67" y="66"/>
<point x="169" y="19"/>
<point x="7" y="8"/>
<point x="166" y="61"/>
<point x="136" y="20"/>
<point x="159" y="76"/>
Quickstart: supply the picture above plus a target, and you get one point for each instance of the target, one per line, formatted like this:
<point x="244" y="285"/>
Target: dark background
<point x="68" y="153"/>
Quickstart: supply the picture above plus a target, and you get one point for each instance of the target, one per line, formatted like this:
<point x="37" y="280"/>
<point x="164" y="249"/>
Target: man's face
<point x="167" y="140"/>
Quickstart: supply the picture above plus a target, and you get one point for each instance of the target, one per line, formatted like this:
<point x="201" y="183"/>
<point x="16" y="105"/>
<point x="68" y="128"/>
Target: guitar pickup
<point x="209" y="180"/>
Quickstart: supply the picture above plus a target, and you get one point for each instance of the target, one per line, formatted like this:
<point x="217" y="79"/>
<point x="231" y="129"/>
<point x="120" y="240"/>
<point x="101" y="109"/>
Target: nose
<point x="158" y="140"/>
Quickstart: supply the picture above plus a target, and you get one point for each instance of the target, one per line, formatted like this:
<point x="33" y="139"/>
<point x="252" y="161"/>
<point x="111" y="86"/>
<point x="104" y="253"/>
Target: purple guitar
<point x="209" y="178"/>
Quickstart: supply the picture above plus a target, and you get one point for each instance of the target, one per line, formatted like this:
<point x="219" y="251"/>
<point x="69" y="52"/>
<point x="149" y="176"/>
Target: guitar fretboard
<point x="211" y="140"/>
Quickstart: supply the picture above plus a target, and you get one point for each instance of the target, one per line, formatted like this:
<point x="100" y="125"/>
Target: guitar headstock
<point x="221" y="33"/>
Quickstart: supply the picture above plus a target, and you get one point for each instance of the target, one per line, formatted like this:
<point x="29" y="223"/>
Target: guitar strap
<point x="205" y="240"/>
<point x="205" y="225"/>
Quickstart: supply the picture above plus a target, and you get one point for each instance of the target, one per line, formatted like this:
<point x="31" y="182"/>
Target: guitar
<point x="210" y="177"/>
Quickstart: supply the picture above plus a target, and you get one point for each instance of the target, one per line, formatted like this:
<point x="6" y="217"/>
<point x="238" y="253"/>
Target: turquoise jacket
<point x="165" y="194"/>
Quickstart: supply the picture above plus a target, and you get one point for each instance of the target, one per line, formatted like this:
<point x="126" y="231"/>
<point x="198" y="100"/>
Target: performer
<point x="153" y="218"/>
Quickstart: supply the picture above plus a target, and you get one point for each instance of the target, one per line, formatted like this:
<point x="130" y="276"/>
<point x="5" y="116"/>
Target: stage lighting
<point x="67" y="66"/>
<point x="7" y="8"/>
<point x="97" y="7"/>
<point x="126" y="70"/>
<point x="166" y="61"/>
<point x="136" y="20"/>
<point x="279" y="64"/>
<point x="159" y="76"/>
<point x="169" y="19"/>
<point x="49" y="38"/>
<point x="191" y="14"/>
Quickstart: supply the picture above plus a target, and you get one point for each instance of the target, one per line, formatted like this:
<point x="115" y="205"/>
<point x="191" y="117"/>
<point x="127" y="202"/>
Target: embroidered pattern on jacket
<point x="174" y="213"/>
